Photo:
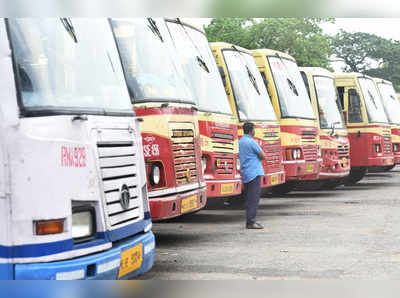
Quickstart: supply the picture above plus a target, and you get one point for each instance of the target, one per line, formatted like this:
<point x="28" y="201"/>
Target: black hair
<point x="248" y="127"/>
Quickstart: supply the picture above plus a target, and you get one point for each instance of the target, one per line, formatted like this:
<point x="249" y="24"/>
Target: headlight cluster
<point x="155" y="175"/>
<point x="395" y="147"/>
<point x="203" y="164"/>
<point x="377" y="148"/>
<point x="319" y="152"/>
<point x="83" y="223"/>
<point x="293" y="154"/>
<point x="237" y="164"/>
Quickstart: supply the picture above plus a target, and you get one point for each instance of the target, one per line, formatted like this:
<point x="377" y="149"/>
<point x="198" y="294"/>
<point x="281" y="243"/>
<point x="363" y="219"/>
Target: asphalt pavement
<point x="347" y="233"/>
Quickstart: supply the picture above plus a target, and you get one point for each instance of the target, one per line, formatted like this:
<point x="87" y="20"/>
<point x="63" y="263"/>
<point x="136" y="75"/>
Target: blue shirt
<point x="250" y="163"/>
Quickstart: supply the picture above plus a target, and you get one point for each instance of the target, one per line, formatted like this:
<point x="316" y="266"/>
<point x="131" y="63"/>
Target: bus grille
<point x="310" y="153"/>
<point x="273" y="156"/>
<point x="184" y="153"/>
<point x="343" y="151"/>
<point x="387" y="142"/>
<point x="223" y="147"/>
<point x="118" y="166"/>
<point x="309" y="137"/>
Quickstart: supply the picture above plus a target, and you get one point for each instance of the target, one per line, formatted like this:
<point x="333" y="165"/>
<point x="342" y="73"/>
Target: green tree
<point x="301" y="38"/>
<point x="369" y="54"/>
<point x="358" y="50"/>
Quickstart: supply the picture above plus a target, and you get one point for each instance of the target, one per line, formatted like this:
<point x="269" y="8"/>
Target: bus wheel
<point x="283" y="189"/>
<point x="389" y="168"/>
<point x="356" y="174"/>
<point x="331" y="184"/>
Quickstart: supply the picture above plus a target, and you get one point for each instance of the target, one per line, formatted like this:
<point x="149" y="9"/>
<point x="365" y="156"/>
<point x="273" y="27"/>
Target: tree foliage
<point x="301" y="38"/>
<point x="369" y="54"/>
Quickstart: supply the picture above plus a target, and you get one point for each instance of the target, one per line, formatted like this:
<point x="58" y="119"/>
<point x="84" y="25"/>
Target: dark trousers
<point x="252" y="192"/>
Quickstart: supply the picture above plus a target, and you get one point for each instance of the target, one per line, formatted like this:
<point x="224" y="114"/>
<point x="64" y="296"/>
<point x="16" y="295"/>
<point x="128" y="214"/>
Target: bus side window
<point x="340" y="91"/>
<point x="354" y="110"/>
<point x="304" y="76"/>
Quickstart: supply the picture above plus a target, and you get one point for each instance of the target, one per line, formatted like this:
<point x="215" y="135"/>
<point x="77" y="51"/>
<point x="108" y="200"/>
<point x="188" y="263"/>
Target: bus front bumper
<point x="381" y="161"/>
<point x="102" y="265"/>
<point x="177" y="204"/>
<point x="223" y="188"/>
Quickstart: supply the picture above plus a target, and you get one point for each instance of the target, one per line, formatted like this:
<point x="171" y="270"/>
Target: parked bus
<point x="334" y="141"/>
<point x="249" y="100"/>
<point x="299" y="126"/>
<point x="170" y="132"/>
<point x="391" y="105"/>
<point x="73" y="191"/>
<point x="218" y="127"/>
<point x="367" y="124"/>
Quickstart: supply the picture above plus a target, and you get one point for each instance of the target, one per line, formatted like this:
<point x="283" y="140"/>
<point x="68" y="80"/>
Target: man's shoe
<point x="254" y="226"/>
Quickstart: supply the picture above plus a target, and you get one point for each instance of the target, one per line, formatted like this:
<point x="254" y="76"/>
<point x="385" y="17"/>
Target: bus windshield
<point x="292" y="93"/>
<point x="150" y="65"/>
<point x="68" y="66"/>
<point x="251" y="96"/>
<point x="200" y="68"/>
<point x="375" y="110"/>
<point x="328" y="104"/>
<point x="390" y="102"/>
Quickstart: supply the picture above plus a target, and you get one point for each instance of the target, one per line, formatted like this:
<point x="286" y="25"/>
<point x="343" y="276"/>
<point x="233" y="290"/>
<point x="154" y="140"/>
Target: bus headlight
<point x="395" y="147"/>
<point x="83" y="223"/>
<point x="237" y="164"/>
<point x="203" y="164"/>
<point x="155" y="175"/>
<point x="377" y="148"/>
<point x="319" y="152"/>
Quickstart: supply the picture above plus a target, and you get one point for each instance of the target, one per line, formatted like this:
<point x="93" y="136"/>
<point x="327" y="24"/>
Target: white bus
<point x="73" y="196"/>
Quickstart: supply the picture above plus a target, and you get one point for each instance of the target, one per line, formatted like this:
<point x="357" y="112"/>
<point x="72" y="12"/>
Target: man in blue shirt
<point x="251" y="169"/>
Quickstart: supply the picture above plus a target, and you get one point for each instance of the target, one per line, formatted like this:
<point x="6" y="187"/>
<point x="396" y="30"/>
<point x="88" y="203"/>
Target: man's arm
<point x="258" y="150"/>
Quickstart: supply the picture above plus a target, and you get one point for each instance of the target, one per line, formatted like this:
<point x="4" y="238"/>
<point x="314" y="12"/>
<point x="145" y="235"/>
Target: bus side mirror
<point x="222" y="74"/>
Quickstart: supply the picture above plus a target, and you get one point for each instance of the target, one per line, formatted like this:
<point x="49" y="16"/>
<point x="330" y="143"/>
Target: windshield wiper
<point x="199" y="57"/>
<point x="67" y="23"/>
<point x="373" y="99"/>
<point x="154" y="28"/>
<point x="249" y="73"/>
<point x="292" y="86"/>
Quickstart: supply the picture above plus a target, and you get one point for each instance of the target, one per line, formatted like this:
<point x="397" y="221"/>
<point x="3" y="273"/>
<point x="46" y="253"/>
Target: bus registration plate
<point x="310" y="168"/>
<point x="389" y="161"/>
<point x="131" y="260"/>
<point x="227" y="189"/>
<point x="189" y="204"/>
<point x="344" y="162"/>
<point x="274" y="179"/>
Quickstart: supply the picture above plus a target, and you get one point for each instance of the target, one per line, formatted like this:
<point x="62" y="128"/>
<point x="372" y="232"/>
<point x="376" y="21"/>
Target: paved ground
<point x="352" y="232"/>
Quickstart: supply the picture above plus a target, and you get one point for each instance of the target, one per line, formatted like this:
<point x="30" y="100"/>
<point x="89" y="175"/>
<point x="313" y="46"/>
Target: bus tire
<point x="389" y="168"/>
<point x="283" y="189"/>
<point x="356" y="174"/>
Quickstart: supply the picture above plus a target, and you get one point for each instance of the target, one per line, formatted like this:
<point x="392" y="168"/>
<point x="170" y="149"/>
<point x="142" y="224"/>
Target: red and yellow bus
<point x="218" y="129"/>
<point x="249" y="100"/>
<point x="367" y="124"/>
<point x="334" y="141"/>
<point x="392" y="109"/>
<point x="298" y="122"/>
<point x="170" y="132"/>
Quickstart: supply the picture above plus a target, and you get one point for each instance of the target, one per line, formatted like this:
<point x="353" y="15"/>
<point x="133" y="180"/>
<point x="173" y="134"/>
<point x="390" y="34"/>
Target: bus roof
<point x="317" y="71"/>
<point x="269" y="52"/>
<point x="225" y="45"/>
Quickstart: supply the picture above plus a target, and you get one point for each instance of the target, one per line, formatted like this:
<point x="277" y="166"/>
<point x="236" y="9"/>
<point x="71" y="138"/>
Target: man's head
<point x="248" y="129"/>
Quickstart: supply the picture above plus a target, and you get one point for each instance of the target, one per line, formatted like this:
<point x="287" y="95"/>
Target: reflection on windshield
<point x="328" y="104"/>
<point x="58" y="72"/>
<point x="151" y="71"/>
<point x="206" y="86"/>
<point x="292" y="93"/>
<point x="252" y="105"/>
<point x="375" y="110"/>
<point x="390" y="102"/>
